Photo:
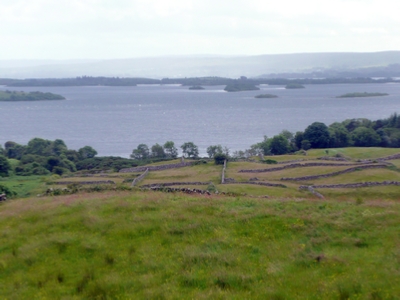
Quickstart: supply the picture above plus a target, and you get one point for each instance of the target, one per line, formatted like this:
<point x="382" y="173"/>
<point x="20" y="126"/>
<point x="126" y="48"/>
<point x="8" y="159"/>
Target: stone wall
<point x="291" y="166"/>
<point x="259" y="183"/>
<point x="223" y="173"/>
<point x="390" y="157"/>
<point x="173" y="184"/>
<point x="182" y="190"/>
<point x="311" y="190"/>
<point x="157" y="168"/>
<point x="351" y="185"/>
<point x="140" y="178"/>
<point x="84" y="182"/>
<point x="362" y="167"/>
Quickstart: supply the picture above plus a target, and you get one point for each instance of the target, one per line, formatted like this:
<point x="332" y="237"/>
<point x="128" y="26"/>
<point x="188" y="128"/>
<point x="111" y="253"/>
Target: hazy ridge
<point x="196" y="66"/>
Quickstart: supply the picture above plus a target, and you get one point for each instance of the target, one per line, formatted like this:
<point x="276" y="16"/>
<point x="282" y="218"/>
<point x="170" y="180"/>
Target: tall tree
<point x="141" y="152"/>
<point x="5" y="166"/>
<point x="213" y="150"/>
<point x="317" y="134"/>
<point x="170" y="150"/>
<point x="190" y="150"/>
<point x="157" y="151"/>
<point x="87" y="152"/>
<point x="279" y="144"/>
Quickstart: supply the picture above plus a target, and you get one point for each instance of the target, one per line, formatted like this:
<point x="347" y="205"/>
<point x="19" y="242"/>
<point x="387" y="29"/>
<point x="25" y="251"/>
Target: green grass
<point x="25" y="186"/>
<point x="172" y="246"/>
<point x="356" y="152"/>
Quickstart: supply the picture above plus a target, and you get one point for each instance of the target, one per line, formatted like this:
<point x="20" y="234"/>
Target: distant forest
<point x="194" y="81"/>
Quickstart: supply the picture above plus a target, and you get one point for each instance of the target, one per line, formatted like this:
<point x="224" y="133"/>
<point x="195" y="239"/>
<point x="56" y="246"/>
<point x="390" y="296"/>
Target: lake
<point x="114" y="120"/>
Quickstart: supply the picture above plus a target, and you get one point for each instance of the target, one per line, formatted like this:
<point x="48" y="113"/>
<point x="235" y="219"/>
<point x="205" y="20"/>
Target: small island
<point x="294" y="86"/>
<point x="356" y="95"/>
<point x="30" y="96"/>
<point x="266" y="96"/>
<point x="196" y="88"/>
<point x="240" y="86"/>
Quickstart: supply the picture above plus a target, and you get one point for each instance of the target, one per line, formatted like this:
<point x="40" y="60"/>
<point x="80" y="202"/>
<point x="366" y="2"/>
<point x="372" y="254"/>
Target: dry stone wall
<point x="157" y="168"/>
<point x="352" y="185"/>
<point x="391" y="157"/>
<point x="259" y="183"/>
<point x="85" y="182"/>
<point x="363" y="167"/>
<point x="140" y="178"/>
<point x="173" y="184"/>
<point x="183" y="190"/>
<point x="292" y="166"/>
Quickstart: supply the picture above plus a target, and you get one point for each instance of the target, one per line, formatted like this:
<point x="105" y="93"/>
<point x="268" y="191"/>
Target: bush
<point x="270" y="161"/>
<point x="220" y="158"/>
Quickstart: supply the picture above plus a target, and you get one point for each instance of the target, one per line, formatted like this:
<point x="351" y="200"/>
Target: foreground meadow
<point x="151" y="245"/>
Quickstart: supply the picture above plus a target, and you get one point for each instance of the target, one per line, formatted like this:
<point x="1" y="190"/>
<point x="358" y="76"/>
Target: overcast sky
<point x="105" y="29"/>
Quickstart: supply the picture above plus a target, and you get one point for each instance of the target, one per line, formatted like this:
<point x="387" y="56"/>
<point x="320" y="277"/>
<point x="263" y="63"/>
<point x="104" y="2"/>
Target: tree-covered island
<point x="294" y="86"/>
<point x="196" y="88"/>
<point x="30" y="96"/>
<point x="266" y="96"/>
<point x="365" y="94"/>
<point x="239" y="86"/>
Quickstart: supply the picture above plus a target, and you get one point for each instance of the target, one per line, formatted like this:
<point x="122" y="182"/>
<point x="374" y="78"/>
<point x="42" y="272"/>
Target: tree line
<point x="359" y="132"/>
<point x="42" y="157"/>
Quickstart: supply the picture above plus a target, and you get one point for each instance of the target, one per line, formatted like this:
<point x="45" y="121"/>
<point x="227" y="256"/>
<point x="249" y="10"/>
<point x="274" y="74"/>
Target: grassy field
<point x="150" y="245"/>
<point x="257" y="243"/>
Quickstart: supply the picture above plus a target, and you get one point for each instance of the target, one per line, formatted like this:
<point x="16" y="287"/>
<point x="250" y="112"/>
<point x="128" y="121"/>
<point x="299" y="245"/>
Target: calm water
<point x="114" y="120"/>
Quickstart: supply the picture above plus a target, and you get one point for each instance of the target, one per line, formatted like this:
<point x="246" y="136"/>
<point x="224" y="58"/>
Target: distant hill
<point x="199" y="66"/>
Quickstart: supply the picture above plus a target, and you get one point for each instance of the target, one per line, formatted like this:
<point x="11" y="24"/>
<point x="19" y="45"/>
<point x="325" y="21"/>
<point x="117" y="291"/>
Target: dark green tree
<point x="58" y="147"/>
<point x="170" y="150"/>
<point x="87" y="152"/>
<point x="141" y="152"/>
<point x="305" y="144"/>
<point x="219" y="158"/>
<point x="16" y="151"/>
<point x="190" y="150"/>
<point x="298" y="138"/>
<point x="5" y="166"/>
<point x="339" y="136"/>
<point x="317" y="134"/>
<point x="157" y="151"/>
<point x="365" y="137"/>
<point x="213" y="150"/>
<point x="279" y="144"/>
<point x="39" y="146"/>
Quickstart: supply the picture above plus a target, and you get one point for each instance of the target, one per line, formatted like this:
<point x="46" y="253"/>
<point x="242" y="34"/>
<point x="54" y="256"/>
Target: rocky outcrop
<point x="363" y="167"/>
<point x="3" y="197"/>
<point x="157" y="168"/>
